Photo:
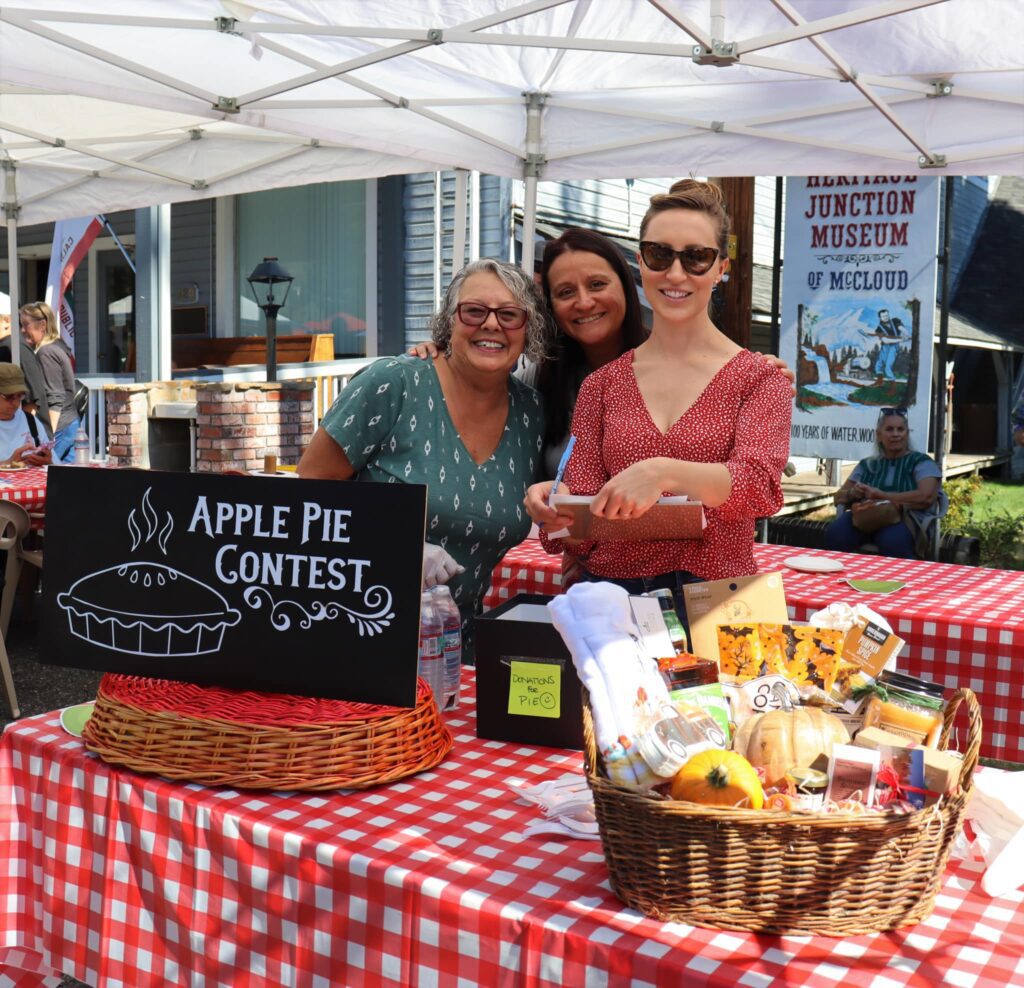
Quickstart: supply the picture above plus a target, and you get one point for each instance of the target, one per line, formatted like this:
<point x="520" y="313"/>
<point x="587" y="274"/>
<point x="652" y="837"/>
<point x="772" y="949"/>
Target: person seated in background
<point x="889" y="499"/>
<point x="19" y="433"/>
<point x="459" y="423"/>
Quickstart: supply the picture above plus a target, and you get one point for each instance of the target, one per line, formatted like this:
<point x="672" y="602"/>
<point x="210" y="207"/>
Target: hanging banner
<point x="71" y="242"/>
<point x="858" y="307"/>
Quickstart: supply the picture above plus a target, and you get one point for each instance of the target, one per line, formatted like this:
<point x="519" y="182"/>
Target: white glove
<point x="438" y="566"/>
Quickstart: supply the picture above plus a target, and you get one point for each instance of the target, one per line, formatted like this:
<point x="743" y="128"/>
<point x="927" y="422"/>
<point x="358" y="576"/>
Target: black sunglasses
<point x="475" y="314"/>
<point x="695" y="260"/>
<point x="889" y="410"/>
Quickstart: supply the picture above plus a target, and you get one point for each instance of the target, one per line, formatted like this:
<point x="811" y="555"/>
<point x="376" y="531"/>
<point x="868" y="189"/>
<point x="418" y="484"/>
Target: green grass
<point x="998" y="496"/>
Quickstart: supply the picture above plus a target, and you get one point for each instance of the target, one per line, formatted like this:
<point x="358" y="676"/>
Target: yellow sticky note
<point x="535" y="689"/>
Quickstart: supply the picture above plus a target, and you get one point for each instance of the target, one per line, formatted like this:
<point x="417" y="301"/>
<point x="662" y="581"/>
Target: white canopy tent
<point x="122" y="104"/>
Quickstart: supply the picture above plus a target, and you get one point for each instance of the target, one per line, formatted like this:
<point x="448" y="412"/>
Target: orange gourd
<point x="718" y="778"/>
<point x="783" y="739"/>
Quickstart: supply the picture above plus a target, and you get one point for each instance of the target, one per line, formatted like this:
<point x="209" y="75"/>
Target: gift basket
<point x="837" y="874"/>
<point x="245" y="739"/>
<point x="820" y="799"/>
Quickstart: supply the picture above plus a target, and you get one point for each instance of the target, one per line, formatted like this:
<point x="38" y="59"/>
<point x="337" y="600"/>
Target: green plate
<point x="73" y="719"/>
<point x="877" y="586"/>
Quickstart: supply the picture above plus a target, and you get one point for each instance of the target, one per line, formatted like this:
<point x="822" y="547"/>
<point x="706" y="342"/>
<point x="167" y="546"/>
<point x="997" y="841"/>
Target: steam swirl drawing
<point x="377" y="600"/>
<point x="142" y="608"/>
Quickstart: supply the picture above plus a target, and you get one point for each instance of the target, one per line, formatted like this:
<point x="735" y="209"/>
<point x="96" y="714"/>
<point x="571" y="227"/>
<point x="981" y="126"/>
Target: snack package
<point x="867" y="649"/>
<point x="739" y="652"/>
<point x="710" y="698"/>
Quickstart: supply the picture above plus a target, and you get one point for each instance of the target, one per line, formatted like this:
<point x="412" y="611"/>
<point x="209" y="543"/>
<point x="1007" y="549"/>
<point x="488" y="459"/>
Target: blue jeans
<point x="893" y="540"/>
<point x="886" y="358"/>
<point x="64" y="443"/>
<point x="637" y="585"/>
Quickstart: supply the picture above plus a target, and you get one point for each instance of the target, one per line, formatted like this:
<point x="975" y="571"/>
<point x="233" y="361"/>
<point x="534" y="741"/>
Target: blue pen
<point x="562" y="464"/>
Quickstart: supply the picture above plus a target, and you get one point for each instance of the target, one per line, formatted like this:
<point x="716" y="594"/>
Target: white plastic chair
<point x="14" y="526"/>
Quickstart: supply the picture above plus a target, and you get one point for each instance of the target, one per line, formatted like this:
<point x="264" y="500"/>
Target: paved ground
<point x="42" y="687"/>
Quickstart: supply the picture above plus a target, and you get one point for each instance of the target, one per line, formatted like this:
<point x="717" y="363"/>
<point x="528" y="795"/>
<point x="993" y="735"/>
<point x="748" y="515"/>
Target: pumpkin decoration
<point x="783" y="739"/>
<point x="718" y="778"/>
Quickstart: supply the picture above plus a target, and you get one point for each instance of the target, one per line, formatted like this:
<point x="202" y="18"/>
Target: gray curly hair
<point x="526" y="293"/>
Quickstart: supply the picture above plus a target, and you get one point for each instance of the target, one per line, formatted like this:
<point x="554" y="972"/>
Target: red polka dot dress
<point x="741" y="419"/>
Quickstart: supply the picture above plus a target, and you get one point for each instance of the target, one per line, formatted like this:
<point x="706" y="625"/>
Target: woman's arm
<point x="922" y="497"/>
<point x="324" y="459"/>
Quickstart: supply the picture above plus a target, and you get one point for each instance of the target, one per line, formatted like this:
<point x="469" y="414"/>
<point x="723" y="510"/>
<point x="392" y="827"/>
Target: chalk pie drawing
<point x="141" y="608"/>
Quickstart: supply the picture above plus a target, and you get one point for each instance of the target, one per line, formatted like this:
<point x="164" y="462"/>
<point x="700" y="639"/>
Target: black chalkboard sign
<point x="267" y="583"/>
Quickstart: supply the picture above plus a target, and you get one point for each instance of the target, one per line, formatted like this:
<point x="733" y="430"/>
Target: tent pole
<point x="13" y="287"/>
<point x="459" y="221"/>
<point x="531" y="171"/>
<point x="945" y="258"/>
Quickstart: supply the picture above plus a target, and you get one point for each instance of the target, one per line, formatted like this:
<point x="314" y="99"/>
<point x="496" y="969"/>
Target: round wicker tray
<point x="249" y="740"/>
<point x="799" y="873"/>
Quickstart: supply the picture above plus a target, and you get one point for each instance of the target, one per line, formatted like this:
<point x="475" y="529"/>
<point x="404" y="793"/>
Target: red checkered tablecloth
<point x="963" y="625"/>
<point x="27" y="487"/>
<point x="133" y="881"/>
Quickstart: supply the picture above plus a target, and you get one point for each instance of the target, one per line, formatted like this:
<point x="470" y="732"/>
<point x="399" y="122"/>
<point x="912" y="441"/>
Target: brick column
<point x="128" y="424"/>
<point x="238" y="424"/>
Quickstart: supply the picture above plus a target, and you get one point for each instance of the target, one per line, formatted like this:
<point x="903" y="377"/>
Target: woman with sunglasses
<point x="460" y="423"/>
<point x="898" y="479"/>
<point x="687" y="412"/>
<point x="593" y="301"/>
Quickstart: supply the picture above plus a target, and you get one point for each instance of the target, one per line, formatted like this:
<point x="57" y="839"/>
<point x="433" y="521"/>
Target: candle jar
<point x="907" y="706"/>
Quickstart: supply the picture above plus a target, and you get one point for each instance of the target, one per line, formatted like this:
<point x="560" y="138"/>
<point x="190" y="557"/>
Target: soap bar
<point x="941" y="768"/>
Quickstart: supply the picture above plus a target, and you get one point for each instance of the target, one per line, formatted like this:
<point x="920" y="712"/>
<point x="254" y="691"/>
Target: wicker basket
<point x="249" y="740"/>
<point x="800" y="873"/>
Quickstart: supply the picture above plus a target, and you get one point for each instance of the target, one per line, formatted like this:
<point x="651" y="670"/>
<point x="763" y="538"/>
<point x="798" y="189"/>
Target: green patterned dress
<point x="393" y="424"/>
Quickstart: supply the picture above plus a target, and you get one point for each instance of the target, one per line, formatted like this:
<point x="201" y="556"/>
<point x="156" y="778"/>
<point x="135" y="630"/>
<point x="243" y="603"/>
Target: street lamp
<point x="270" y="273"/>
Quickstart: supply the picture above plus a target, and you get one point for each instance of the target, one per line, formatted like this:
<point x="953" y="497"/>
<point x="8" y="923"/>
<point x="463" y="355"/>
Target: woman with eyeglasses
<point x="459" y="423"/>
<point x="687" y="412"/>
<point x="40" y="331"/>
<point x="897" y="480"/>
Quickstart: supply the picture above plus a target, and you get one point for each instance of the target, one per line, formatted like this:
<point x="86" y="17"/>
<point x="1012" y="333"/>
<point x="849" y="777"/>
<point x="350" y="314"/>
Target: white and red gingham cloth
<point x="130" y="881"/>
<point x="963" y="625"/>
<point x="27" y="488"/>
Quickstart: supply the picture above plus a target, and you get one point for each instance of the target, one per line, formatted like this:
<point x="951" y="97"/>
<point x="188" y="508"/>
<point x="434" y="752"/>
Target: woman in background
<point x="896" y="475"/>
<point x="40" y="331"/>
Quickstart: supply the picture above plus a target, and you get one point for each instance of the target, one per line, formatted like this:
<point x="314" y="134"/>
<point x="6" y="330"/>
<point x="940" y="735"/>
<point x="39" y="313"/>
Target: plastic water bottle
<point x="81" y="445"/>
<point x="432" y="646"/>
<point x="451" y="621"/>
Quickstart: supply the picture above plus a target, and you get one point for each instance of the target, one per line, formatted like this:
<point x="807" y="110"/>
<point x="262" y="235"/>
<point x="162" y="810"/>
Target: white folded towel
<point x="626" y="691"/>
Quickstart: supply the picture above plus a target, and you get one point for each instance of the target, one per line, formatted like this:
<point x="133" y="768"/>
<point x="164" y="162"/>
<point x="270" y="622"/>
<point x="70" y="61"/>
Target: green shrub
<point x="1001" y="539"/>
<point x="961" y="492"/>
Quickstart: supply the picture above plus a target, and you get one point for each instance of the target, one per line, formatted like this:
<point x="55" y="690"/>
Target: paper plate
<point x="877" y="586"/>
<point x="73" y="719"/>
<point x="814" y="564"/>
<point x="280" y="473"/>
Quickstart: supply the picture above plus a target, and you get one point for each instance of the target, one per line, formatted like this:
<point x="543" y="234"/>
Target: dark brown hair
<point x="560" y="377"/>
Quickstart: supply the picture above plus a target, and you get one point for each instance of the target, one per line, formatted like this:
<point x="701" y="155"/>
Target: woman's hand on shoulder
<point x="537" y="507"/>
<point x="425" y="351"/>
<point x="777" y="363"/>
<point x="631" y="493"/>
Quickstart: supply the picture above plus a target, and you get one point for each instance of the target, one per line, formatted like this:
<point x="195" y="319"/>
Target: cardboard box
<point x="744" y="600"/>
<point x="527" y="690"/>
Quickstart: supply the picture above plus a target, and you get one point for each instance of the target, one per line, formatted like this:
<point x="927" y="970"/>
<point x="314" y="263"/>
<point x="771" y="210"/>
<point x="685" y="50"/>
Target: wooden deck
<point x="808" y="491"/>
